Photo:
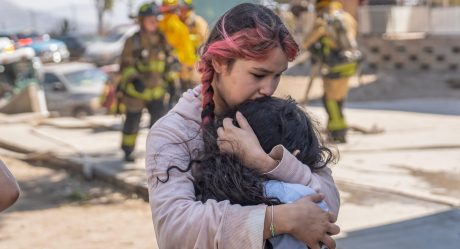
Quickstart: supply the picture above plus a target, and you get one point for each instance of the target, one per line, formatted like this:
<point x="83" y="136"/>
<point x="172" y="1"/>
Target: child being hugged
<point x="222" y="176"/>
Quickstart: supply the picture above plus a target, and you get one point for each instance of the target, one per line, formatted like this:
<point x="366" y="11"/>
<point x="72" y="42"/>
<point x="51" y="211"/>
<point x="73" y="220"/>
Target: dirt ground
<point x="59" y="210"/>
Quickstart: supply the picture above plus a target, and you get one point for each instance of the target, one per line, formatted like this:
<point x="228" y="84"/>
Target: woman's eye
<point x="258" y="76"/>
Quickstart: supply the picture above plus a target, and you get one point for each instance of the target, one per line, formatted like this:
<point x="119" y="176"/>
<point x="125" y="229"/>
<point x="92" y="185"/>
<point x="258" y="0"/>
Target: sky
<point x="46" y="15"/>
<point x="82" y="8"/>
<point x="81" y="11"/>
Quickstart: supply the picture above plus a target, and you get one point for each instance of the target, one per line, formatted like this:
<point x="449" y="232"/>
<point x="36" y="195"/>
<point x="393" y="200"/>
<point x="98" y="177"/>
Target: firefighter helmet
<point x="187" y="4"/>
<point x="149" y="9"/>
<point x="168" y="6"/>
<point x="170" y="2"/>
<point x="321" y="4"/>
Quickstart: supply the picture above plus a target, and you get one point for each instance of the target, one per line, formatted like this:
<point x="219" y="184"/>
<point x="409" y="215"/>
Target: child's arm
<point x="290" y="192"/>
<point x="9" y="189"/>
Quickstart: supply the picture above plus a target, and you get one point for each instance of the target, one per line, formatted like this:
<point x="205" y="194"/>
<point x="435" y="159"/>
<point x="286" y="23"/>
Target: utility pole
<point x="33" y="20"/>
<point x="130" y="8"/>
<point x="73" y="9"/>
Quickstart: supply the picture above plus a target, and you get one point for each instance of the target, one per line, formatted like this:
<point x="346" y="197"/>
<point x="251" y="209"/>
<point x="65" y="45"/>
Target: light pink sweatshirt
<point x="182" y="222"/>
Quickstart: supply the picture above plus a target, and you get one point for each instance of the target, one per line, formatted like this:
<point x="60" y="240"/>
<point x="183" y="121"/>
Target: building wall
<point x="436" y="53"/>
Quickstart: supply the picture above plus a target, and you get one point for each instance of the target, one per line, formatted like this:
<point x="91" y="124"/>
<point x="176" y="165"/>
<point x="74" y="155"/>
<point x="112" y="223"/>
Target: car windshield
<point x="86" y="77"/>
<point x="113" y="37"/>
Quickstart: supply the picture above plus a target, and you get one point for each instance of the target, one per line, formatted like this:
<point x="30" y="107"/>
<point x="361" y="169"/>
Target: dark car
<point x="47" y="49"/>
<point x="75" y="46"/>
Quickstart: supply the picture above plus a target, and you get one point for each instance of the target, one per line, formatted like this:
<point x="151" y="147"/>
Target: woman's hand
<point x="307" y="222"/>
<point x="243" y="143"/>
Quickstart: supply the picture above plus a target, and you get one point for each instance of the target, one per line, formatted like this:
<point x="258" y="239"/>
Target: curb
<point x="99" y="173"/>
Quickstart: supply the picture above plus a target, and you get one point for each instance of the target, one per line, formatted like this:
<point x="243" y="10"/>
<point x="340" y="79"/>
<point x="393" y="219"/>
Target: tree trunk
<point x="100" y="22"/>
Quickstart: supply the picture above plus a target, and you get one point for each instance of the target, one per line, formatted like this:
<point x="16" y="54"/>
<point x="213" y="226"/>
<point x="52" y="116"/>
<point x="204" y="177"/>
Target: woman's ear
<point x="219" y="65"/>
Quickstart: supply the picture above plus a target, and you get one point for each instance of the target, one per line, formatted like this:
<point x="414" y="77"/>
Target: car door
<point x="57" y="94"/>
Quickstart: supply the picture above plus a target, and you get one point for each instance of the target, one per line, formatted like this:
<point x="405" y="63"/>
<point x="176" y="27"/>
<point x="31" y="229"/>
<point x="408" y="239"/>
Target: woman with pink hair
<point x="246" y="53"/>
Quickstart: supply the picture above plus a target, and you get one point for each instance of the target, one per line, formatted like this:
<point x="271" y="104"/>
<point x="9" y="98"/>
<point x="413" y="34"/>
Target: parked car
<point x="47" y="49"/>
<point x="6" y="45"/>
<point x="75" y="46"/>
<point x="13" y="37"/>
<point x="18" y="69"/>
<point x="73" y="89"/>
<point x="108" y="50"/>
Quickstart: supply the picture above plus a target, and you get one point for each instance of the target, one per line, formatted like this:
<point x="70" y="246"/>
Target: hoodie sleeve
<point x="291" y="170"/>
<point x="179" y="220"/>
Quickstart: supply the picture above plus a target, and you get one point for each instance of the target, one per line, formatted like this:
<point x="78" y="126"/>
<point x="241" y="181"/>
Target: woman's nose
<point x="268" y="88"/>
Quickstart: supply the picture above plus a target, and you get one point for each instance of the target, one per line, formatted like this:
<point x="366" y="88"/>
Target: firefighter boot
<point x="337" y="127"/>
<point x="130" y="131"/>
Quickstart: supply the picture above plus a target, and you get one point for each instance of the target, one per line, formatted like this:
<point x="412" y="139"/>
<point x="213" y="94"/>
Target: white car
<point x="73" y="89"/>
<point x="6" y="45"/>
<point x="108" y="50"/>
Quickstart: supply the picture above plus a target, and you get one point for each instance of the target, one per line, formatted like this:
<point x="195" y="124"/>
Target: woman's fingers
<point x="316" y="197"/>
<point x="242" y="142"/>
<point x="332" y="217"/>
<point x="220" y="132"/>
<point x="329" y="242"/>
<point x="333" y="229"/>
<point x="243" y="122"/>
<point x="314" y="246"/>
<point x="312" y="223"/>
<point x="227" y="123"/>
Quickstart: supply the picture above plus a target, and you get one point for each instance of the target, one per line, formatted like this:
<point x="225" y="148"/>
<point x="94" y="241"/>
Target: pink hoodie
<point x="182" y="222"/>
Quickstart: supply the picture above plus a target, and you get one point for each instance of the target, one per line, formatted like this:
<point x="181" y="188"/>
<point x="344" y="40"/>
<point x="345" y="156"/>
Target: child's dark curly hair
<point x="275" y="121"/>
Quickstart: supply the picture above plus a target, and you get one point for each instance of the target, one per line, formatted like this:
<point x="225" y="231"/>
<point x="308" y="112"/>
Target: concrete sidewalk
<point x="90" y="146"/>
<point x="418" y="155"/>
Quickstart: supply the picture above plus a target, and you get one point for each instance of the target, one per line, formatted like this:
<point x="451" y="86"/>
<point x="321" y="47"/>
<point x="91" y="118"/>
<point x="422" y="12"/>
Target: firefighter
<point x="177" y="33"/>
<point x="178" y="36"/>
<point x="332" y="44"/>
<point x="198" y="28"/>
<point x="145" y="73"/>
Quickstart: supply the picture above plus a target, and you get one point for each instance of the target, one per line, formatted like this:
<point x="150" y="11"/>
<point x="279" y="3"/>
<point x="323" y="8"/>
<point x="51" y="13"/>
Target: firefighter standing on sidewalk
<point x="332" y="43"/>
<point x="144" y="67"/>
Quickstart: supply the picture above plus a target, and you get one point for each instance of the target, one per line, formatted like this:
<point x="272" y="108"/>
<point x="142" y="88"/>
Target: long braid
<point x="207" y="92"/>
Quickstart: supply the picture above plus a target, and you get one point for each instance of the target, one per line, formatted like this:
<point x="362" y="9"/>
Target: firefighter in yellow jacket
<point x="178" y="36"/>
<point x="332" y="43"/>
<point x="198" y="28"/>
<point x="145" y="74"/>
<point x="177" y="33"/>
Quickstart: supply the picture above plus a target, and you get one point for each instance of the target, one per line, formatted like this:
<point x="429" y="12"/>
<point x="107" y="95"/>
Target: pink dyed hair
<point x="247" y="31"/>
